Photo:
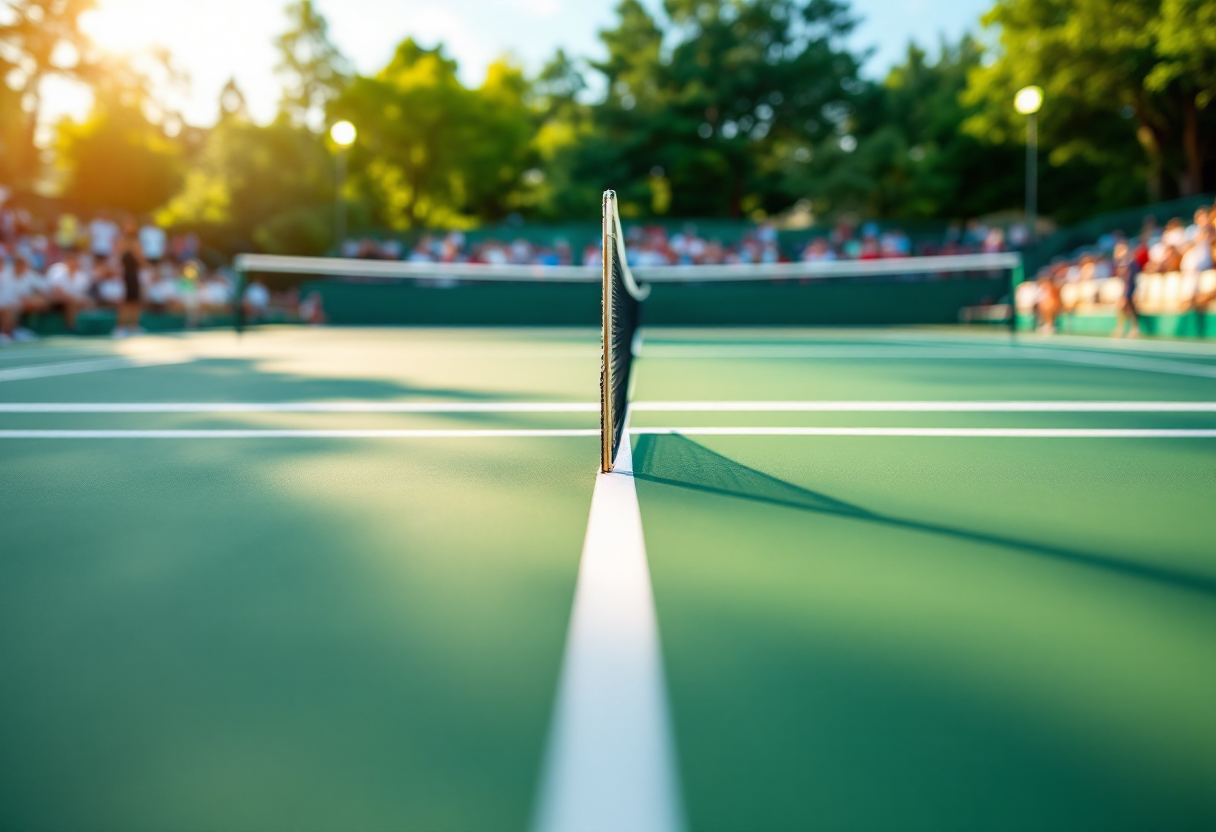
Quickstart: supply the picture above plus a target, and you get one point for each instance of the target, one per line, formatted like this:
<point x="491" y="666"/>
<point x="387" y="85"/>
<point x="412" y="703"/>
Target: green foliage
<point x="121" y="156"/>
<point x="38" y="39"/>
<point x="1116" y="74"/>
<point x="432" y="152"/>
<point x="252" y="185"/>
<point x="12" y="132"/>
<point x="313" y="70"/>
<point x="118" y="157"/>
<point x="740" y="85"/>
<point x="902" y="153"/>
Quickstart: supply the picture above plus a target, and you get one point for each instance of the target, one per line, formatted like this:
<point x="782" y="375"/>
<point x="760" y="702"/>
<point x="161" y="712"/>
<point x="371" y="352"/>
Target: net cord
<point x="740" y="273"/>
<point x="639" y="293"/>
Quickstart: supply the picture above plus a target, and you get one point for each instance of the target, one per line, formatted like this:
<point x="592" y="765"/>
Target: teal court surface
<point x="902" y="579"/>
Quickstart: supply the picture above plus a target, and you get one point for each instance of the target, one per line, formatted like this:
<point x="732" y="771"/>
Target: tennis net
<point x="622" y="310"/>
<point x="918" y="290"/>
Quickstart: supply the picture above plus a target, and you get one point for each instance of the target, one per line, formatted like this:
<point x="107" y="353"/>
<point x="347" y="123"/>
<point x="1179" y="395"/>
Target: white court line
<point x="1007" y="433"/>
<point x="90" y="366"/>
<point x="301" y="407"/>
<point x="593" y="407"/>
<point x="916" y="353"/>
<point x="295" y="434"/>
<point x="610" y="764"/>
<point x="1025" y="433"/>
<point x="923" y="407"/>
<point x="42" y="352"/>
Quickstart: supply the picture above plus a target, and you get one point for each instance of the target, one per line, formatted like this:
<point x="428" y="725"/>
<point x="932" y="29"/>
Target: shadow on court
<point x="681" y="462"/>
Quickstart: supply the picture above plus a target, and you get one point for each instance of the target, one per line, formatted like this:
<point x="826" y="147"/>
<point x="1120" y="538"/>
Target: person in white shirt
<point x="153" y="241"/>
<point x="162" y="292"/>
<point x="68" y="284"/>
<point x="215" y="295"/>
<point x="22" y="292"/>
<point x="103" y="236"/>
<point x="257" y="301"/>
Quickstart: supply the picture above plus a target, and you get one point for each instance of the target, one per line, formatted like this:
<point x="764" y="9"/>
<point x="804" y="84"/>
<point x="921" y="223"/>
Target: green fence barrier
<point x="738" y="304"/>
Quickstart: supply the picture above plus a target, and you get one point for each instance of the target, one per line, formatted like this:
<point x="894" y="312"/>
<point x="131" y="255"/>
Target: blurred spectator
<point x="312" y="309"/>
<point x="69" y="285"/>
<point x="153" y="242"/>
<point x="161" y="288"/>
<point x="67" y="233"/>
<point x="22" y="292"/>
<point x="215" y="295"/>
<point x="104" y="234"/>
<point x="1126" y="267"/>
<point x="1049" y="303"/>
<point x="256" y="301"/>
<point x="818" y="251"/>
<point x="131" y="260"/>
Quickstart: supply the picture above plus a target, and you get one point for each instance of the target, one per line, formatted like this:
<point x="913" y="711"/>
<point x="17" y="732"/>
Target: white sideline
<point x="923" y="407"/>
<point x="1011" y="433"/>
<point x="610" y="764"/>
<point x="896" y="352"/>
<point x="300" y="407"/>
<point x="90" y="366"/>
<point x="294" y="434"/>
<point x="962" y="433"/>
<point x="593" y="407"/>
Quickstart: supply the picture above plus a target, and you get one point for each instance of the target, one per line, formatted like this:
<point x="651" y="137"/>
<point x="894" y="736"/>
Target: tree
<point x="1186" y="47"/>
<point x="1113" y="72"/>
<point x="119" y="156"/>
<point x="40" y="39"/>
<point x="432" y="153"/>
<point x="12" y="132"/>
<point x="708" y="117"/>
<point x="267" y="187"/>
<point x="903" y="154"/>
<point x="313" y="69"/>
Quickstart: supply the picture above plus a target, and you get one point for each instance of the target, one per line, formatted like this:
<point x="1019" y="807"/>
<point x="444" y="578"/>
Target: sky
<point x="214" y="40"/>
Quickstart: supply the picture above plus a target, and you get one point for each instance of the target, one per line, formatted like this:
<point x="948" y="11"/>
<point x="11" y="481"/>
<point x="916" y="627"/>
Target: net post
<point x="608" y="250"/>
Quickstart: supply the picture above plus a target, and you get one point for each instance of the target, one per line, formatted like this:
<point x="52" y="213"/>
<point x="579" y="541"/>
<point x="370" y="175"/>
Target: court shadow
<point x="680" y="462"/>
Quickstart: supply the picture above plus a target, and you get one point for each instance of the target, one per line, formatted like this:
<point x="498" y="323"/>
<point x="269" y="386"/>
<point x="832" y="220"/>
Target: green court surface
<point x="323" y="579"/>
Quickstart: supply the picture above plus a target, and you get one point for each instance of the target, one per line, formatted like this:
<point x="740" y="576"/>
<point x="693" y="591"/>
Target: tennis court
<point x="330" y="579"/>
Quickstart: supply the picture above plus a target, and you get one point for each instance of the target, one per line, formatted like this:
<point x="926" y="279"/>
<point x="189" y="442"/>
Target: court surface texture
<point x="370" y="579"/>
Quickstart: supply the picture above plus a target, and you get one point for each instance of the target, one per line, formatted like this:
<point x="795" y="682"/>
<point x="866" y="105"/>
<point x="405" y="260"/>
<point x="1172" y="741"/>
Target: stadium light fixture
<point x="343" y="133"/>
<point x="1028" y="100"/>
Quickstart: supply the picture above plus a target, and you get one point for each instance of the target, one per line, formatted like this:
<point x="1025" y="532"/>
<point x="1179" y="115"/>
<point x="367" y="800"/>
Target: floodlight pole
<point x="1032" y="181"/>
<point x="340" y="201"/>
<point x="1027" y="102"/>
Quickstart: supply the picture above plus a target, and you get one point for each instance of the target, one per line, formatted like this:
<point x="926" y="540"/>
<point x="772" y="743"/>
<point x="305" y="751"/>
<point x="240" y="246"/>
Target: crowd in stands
<point x="1170" y="269"/>
<point x="654" y="245"/>
<point x="110" y="261"/>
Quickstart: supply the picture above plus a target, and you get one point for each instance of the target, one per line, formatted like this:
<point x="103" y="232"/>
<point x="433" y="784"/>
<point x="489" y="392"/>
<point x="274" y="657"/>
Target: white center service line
<point x="611" y="764"/>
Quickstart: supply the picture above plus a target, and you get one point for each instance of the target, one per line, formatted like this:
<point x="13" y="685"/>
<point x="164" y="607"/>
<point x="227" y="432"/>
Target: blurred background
<point x="734" y="131"/>
<point x="214" y="117"/>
